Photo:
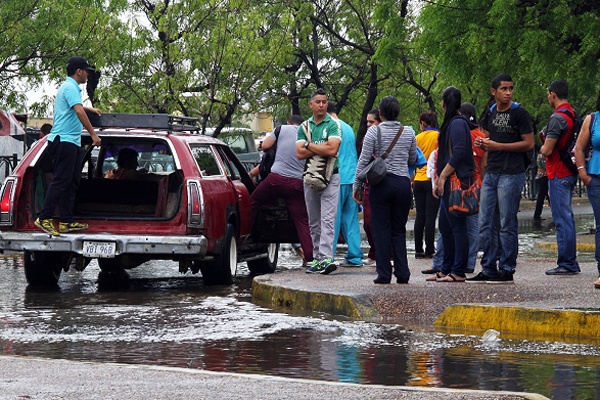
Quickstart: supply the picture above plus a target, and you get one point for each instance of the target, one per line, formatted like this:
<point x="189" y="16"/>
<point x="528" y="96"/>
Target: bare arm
<point x="525" y="144"/>
<point x="329" y="148"/>
<point x="268" y="142"/>
<point x="582" y="141"/>
<point x="80" y="111"/>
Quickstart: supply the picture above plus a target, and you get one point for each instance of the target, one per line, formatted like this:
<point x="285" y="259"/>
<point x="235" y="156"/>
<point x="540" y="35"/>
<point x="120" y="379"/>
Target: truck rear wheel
<point x="222" y="269"/>
<point x="268" y="264"/>
<point x="43" y="268"/>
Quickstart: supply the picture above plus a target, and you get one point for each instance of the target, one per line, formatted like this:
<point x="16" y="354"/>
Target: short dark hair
<point x="430" y="119"/>
<point x="331" y="107"/>
<point x="318" y="92"/>
<point x="468" y="110"/>
<point x="127" y="158"/>
<point x="598" y="102"/>
<point x="375" y="113"/>
<point x="46" y="128"/>
<point x="560" y="88"/>
<point x="389" y="108"/>
<point x="498" y="79"/>
<point x="295" y="119"/>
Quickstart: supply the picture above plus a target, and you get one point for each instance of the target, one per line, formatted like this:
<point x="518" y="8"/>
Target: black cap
<point x="79" y="62"/>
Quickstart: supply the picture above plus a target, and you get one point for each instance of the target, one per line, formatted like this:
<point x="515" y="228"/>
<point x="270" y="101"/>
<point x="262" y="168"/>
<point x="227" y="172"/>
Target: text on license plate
<point x="99" y="249"/>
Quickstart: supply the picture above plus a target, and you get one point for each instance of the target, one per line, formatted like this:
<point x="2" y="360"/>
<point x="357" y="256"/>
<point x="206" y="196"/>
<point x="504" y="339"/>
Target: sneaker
<point x="47" y="225"/>
<point x="561" y="271"/>
<point x="479" y="278"/>
<point x="64" y="227"/>
<point x="328" y="266"/>
<point x="420" y="254"/>
<point x="315" y="267"/>
<point x="502" y="277"/>
<point x="369" y="261"/>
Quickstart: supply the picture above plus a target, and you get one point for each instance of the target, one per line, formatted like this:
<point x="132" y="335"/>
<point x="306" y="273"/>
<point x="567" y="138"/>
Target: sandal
<point x="597" y="283"/>
<point x="434" y="278"/>
<point x="451" y="278"/>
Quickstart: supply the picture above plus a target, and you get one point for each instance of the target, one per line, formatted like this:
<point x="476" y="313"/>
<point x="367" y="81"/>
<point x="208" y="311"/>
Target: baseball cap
<point x="79" y="62"/>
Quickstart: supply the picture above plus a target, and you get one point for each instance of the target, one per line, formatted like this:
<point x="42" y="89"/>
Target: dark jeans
<point x="455" y="239"/>
<point x="66" y="175"/>
<point x="542" y="195"/>
<point x="427" y="209"/>
<point x="292" y="192"/>
<point x="390" y="204"/>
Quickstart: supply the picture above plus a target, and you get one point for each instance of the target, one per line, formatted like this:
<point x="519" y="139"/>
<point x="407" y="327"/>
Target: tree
<point x="197" y="58"/>
<point x="37" y="41"/>
<point x="536" y="42"/>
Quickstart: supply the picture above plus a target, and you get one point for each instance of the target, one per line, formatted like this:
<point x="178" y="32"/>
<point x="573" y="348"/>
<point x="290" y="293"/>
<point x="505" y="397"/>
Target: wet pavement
<point x="176" y="331"/>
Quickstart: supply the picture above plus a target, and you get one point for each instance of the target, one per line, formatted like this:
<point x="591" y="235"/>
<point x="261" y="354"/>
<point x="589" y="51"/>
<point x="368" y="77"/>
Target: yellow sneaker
<point x="47" y="225"/>
<point x="65" y="227"/>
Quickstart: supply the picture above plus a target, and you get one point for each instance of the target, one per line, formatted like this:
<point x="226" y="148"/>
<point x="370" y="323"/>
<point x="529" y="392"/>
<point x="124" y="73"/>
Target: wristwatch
<point x="306" y="143"/>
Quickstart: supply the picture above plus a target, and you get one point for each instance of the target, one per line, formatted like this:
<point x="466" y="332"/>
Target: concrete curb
<point x="358" y="307"/>
<point x="575" y="325"/>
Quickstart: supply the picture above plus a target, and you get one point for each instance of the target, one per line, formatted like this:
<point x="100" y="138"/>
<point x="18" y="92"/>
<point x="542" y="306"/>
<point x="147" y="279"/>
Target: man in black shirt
<point x="509" y="138"/>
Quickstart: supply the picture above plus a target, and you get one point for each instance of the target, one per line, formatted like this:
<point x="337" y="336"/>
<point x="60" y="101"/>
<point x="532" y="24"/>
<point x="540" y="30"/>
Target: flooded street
<point x="163" y="318"/>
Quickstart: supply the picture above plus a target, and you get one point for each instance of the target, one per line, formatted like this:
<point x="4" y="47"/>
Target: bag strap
<point x="307" y="130"/>
<point x="391" y="146"/>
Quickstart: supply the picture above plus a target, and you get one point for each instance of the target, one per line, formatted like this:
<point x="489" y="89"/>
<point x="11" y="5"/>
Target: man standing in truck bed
<point x="64" y="142"/>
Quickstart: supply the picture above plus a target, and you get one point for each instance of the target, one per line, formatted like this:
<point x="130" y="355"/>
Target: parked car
<point x="196" y="211"/>
<point x="241" y="141"/>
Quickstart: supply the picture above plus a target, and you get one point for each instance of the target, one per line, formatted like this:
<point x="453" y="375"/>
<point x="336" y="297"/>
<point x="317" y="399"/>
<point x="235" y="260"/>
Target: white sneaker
<point x="369" y="261"/>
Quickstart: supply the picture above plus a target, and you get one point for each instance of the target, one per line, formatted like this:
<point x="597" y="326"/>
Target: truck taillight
<point x="195" y="205"/>
<point x="7" y="201"/>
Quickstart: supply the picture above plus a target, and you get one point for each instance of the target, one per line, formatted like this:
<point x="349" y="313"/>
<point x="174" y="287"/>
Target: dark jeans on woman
<point x="455" y="238"/>
<point x="66" y="175"/>
<point x="390" y="204"/>
<point x="542" y="195"/>
<point x="427" y="209"/>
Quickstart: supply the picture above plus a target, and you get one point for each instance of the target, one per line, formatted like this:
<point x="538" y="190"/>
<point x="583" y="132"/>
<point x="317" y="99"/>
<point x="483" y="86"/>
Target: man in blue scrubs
<point x="64" y="143"/>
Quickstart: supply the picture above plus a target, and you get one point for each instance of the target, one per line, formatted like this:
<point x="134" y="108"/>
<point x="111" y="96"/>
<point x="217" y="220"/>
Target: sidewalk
<point x="566" y="308"/>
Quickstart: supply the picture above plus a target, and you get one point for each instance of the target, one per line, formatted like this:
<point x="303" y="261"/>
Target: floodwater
<point x="163" y="318"/>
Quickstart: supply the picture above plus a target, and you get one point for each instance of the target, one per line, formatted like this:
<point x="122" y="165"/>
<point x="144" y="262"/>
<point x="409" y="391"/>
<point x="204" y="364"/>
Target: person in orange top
<point x="426" y="205"/>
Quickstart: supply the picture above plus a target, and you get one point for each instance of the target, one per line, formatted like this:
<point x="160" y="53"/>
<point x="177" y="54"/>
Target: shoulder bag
<point x="376" y="170"/>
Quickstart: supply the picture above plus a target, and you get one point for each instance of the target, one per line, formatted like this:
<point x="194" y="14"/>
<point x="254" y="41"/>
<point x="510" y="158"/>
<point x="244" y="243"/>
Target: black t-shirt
<point x="507" y="127"/>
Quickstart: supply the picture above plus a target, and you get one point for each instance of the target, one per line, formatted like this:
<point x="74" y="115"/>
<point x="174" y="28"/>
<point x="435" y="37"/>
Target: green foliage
<point x="38" y="39"/>
<point x="470" y="41"/>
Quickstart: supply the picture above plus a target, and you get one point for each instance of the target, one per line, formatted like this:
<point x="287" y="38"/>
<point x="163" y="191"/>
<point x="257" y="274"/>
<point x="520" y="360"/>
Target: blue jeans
<point x="498" y="224"/>
<point x="593" y="191"/>
<point x="561" y="194"/>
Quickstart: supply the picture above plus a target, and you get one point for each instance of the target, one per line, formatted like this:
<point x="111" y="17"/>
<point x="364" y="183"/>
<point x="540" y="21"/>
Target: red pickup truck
<point x="194" y="210"/>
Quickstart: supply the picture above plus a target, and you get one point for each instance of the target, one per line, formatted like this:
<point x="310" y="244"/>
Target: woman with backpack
<point x="588" y="146"/>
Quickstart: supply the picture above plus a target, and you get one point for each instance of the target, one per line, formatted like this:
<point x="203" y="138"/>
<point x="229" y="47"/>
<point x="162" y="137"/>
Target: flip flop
<point x="451" y="278"/>
<point x="434" y="278"/>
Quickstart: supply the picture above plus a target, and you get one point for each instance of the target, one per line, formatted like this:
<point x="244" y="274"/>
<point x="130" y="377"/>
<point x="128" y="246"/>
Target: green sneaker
<point x="328" y="266"/>
<point x="315" y="267"/>
<point x="64" y="227"/>
<point x="47" y="225"/>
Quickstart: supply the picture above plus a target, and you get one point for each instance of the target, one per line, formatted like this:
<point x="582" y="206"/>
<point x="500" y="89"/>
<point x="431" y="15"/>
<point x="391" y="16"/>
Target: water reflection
<point x="164" y="319"/>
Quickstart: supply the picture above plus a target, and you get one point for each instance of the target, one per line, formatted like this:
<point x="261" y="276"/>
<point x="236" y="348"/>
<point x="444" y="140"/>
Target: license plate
<point x="99" y="249"/>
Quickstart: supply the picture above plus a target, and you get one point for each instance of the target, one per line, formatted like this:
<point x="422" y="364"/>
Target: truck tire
<point x="222" y="269"/>
<point x="43" y="268"/>
<point x="268" y="264"/>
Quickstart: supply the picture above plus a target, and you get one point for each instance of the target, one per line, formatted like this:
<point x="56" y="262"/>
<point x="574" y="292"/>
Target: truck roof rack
<point x="144" y="121"/>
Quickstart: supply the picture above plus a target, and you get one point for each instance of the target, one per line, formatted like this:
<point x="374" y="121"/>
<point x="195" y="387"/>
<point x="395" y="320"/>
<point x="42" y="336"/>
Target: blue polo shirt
<point x="66" y="122"/>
